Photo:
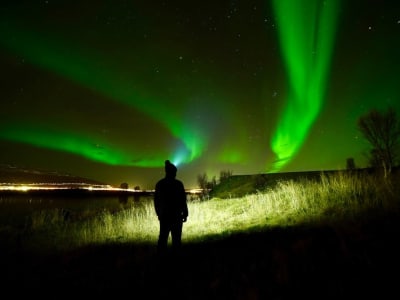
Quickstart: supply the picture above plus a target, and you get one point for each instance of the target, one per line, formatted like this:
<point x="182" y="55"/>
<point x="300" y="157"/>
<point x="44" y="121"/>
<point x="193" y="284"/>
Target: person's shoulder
<point x="160" y="181"/>
<point x="180" y="182"/>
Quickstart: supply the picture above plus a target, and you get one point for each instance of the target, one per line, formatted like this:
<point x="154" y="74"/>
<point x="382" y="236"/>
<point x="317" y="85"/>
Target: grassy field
<point x="330" y="238"/>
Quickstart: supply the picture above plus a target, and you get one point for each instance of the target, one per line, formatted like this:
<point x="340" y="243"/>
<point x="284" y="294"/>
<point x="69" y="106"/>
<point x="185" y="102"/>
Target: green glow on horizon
<point x="98" y="74"/>
<point x="91" y="148"/>
<point x="306" y="31"/>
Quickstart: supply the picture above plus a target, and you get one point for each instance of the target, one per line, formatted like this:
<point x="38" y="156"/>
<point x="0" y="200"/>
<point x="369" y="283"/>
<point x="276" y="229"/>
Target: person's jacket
<point x="170" y="199"/>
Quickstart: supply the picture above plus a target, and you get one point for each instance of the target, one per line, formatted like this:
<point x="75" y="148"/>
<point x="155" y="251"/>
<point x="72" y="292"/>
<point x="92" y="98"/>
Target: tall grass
<point x="334" y="200"/>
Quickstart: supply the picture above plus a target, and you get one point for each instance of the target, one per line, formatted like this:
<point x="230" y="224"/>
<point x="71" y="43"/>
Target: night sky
<point x="111" y="89"/>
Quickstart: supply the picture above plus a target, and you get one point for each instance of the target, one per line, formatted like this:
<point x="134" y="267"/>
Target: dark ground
<point x="317" y="263"/>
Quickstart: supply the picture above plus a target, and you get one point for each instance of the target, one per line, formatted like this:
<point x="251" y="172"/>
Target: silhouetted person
<point x="171" y="208"/>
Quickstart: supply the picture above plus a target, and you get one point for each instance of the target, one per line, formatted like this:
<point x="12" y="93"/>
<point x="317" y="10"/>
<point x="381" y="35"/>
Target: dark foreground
<point x="318" y="263"/>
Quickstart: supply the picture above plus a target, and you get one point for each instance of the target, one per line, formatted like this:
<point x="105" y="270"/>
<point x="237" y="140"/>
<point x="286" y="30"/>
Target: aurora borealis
<point x="110" y="89"/>
<point x="306" y="33"/>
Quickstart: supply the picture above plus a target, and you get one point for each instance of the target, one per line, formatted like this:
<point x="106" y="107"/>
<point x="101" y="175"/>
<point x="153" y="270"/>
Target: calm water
<point x="16" y="209"/>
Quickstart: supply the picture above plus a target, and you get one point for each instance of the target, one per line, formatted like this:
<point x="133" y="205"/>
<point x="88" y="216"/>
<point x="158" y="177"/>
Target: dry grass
<point x="328" y="239"/>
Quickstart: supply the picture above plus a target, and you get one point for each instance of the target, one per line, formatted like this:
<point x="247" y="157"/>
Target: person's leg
<point x="162" y="244"/>
<point x="176" y="234"/>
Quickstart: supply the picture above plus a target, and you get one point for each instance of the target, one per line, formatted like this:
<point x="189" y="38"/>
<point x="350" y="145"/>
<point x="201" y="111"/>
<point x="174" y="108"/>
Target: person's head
<point x="170" y="169"/>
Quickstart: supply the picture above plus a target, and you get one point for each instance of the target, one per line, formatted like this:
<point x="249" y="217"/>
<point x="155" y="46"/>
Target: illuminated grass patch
<point x="335" y="200"/>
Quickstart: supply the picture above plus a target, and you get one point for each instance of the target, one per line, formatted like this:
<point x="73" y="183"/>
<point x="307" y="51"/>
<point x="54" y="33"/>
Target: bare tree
<point x="213" y="183"/>
<point x="224" y="174"/>
<point x="202" y="181"/>
<point x="350" y="164"/>
<point x="382" y="131"/>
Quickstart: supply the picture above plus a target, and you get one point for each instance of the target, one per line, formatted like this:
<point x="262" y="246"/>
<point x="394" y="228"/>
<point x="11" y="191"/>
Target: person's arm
<point x="185" y="211"/>
<point x="157" y="201"/>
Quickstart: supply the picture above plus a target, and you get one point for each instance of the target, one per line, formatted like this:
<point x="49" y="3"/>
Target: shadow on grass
<point x="278" y="263"/>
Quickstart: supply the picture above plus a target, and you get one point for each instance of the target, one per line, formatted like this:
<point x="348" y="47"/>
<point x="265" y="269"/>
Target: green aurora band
<point x="70" y="142"/>
<point x="306" y="31"/>
<point x="96" y="73"/>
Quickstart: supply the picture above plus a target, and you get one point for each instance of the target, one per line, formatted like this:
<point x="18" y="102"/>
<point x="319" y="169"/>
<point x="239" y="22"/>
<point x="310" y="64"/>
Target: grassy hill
<point x="333" y="239"/>
<point x="241" y="185"/>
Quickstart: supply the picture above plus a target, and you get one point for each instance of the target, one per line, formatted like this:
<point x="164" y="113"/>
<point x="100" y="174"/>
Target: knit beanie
<point x="170" y="168"/>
